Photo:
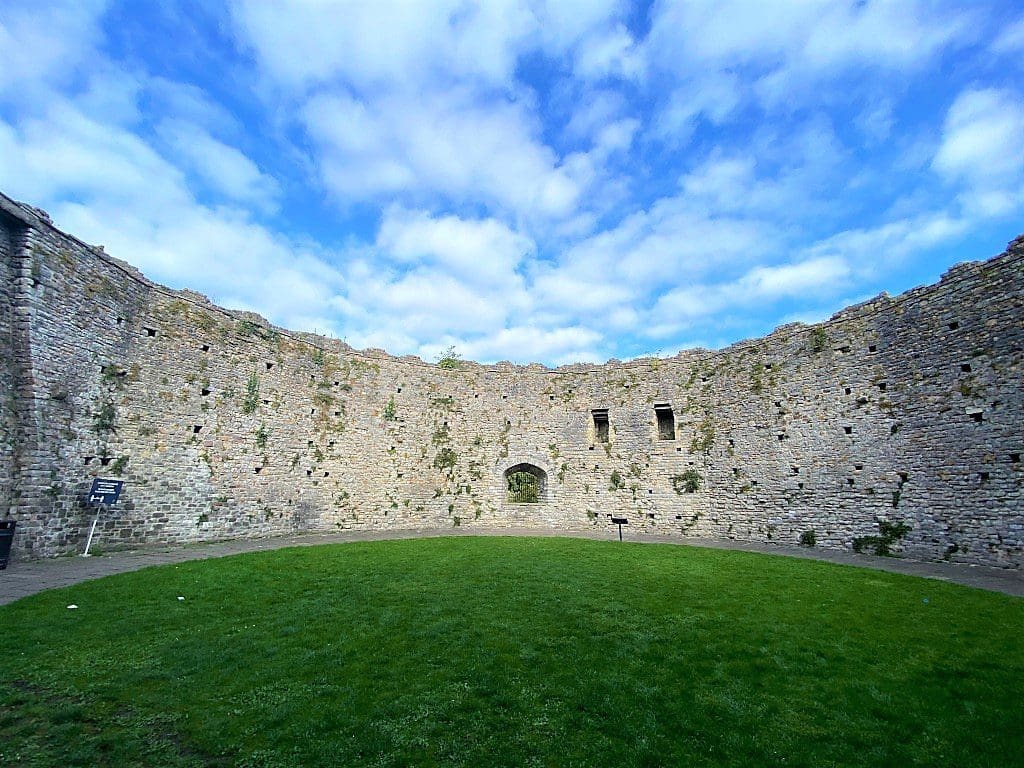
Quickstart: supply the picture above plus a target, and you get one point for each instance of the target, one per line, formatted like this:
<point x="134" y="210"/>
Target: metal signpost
<point x="104" y="493"/>
<point x="620" y="521"/>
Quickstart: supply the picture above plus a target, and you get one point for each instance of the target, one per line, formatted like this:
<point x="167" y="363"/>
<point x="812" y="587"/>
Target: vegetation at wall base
<point x="511" y="652"/>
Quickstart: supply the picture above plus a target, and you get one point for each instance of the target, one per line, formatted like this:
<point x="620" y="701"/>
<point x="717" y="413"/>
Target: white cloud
<point x="486" y="252"/>
<point x="687" y="305"/>
<point x="42" y="43"/>
<point x="529" y="343"/>
<point x="712" y="95"/>
<point x="448" y="143"/>
<point x="983" y="149"/>
<point x="1011" y="39"/>
<point x="369" y="45"/>
<point x="784" y="49"/>
<point x="871" y="251"/>
<point x="223" y="168"/>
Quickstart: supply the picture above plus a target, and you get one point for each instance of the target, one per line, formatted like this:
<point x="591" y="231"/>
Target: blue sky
<point x="527" y="181"/>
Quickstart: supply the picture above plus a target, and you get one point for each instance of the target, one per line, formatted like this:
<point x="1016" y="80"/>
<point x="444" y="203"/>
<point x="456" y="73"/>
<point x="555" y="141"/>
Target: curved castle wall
<point x="896" y="423"/>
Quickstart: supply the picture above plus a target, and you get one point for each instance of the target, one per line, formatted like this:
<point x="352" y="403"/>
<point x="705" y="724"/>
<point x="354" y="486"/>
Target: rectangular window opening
<point x="600" y="416"/>
<point x="150" y="331"/>
<point x="666" y="421"/>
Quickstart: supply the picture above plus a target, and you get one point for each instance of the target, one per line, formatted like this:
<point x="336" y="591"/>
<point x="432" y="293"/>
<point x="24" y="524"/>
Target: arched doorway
<point x="525" y="484"/>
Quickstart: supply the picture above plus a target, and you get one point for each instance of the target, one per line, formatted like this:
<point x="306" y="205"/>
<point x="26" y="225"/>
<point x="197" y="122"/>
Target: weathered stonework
<point x="903" y="410"/>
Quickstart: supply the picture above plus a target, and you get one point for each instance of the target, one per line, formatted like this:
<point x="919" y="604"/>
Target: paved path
<point x="26" y="578"/>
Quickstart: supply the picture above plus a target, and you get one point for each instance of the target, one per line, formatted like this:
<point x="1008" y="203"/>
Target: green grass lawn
<point x="513" y="652"/>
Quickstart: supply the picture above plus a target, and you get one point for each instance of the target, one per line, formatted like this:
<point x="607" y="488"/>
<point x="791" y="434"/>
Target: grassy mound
<point x="517" y="652"/>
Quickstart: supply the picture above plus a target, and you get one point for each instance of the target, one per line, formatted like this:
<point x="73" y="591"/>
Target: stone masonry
<point x="896" y="425"/>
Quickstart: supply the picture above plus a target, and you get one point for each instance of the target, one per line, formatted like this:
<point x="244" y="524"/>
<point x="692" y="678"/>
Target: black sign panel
<point x="105" y="492"/>
<point x="620" y="521"/>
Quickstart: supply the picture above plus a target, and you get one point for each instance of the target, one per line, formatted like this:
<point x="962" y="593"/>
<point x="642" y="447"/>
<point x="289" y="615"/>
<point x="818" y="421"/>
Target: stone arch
<point x="525" y="483"/>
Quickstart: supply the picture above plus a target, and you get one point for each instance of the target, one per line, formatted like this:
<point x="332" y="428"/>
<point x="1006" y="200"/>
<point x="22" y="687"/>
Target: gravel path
<point x="21" y="579"/>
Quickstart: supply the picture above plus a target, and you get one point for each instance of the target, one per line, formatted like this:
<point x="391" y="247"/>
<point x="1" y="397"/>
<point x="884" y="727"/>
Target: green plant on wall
<point x="251" y="399"/>
<point x="616" y="481"/>
<point x="756" y="382"/>
<point x="445" y="458"/>
<point x="262" y="435"/>
<point x="449" y="359"/>
<point x="389" y="414"/>
<point x="888" y="534"/>
<point x="687" y="482"/>
<point x="817" y="339"/>
<point x="705" y="437"/>
<point x="103" y="419"/>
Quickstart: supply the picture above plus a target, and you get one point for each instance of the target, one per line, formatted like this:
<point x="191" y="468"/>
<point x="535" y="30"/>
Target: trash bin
<point x="6" y="537"/>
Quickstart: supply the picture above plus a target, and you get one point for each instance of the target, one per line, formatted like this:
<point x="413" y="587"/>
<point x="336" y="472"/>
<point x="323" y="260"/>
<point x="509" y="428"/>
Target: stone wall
<point x="898" y="422"/>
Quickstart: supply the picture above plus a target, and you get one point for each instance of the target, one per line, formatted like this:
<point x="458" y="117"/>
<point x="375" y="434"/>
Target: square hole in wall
<point x="872" y="348"/>
<point x="1015" y="458"/>
<point x="848" y="430"/>
<point x="205" y="347"/>
<point x="978" y="417"/>
<point x="270" y="366"/>
<point x="965" y="367"/>
<point x="882" y="386"/>
<point x="257" y="470"/>
<point x="151" y="332"/>
<point x="847" y="390"/>
<point x="983" y="476"/>
<point x="205" y="392"/>
<point x="954" y="325"/>
<point x="196" y="429"/>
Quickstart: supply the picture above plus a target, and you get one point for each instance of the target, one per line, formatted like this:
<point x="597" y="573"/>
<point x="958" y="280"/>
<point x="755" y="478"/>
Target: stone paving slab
<point x="21" y="579"/>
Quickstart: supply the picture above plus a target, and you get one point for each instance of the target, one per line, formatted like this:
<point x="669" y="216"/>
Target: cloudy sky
<point x="525" y="180"/>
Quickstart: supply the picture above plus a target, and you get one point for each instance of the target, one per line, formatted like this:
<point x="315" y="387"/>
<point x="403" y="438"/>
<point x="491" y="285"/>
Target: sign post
<point x="620" y="521"/>
<point x="104" y="493"/>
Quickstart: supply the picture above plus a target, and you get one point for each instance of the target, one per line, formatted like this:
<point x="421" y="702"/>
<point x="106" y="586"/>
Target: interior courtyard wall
<point x="901" y="410"/>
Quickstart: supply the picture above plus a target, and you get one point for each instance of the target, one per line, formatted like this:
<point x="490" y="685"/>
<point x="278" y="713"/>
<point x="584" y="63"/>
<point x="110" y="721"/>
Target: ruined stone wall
<point x="899" y="411"/>
<point x="9" y="227"/>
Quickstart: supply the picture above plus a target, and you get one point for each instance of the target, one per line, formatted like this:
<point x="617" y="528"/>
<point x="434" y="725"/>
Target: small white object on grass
<point x="72" y="606"/>
<point x="180" y="597"/>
